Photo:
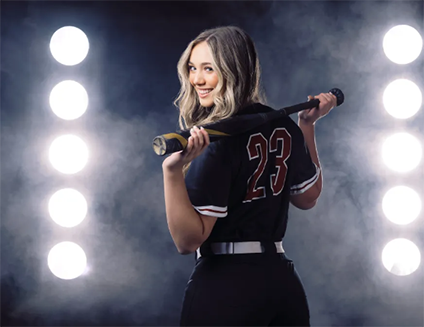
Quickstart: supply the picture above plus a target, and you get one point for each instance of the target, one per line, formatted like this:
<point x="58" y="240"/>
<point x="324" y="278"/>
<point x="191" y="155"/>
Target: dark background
<point x="135" y="275"/>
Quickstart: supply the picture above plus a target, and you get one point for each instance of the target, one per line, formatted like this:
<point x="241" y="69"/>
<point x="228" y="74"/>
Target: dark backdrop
<point x="135" y="275"/>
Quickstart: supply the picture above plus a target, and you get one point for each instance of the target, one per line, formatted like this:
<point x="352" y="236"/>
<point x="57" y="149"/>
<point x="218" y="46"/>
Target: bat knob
<point x="339" y="95"/>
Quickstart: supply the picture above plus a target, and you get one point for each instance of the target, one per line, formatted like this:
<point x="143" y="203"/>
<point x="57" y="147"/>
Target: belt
<point x="240" y="248"/>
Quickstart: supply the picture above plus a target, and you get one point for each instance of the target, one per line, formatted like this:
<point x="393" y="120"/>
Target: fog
<point x="135" y="275"/>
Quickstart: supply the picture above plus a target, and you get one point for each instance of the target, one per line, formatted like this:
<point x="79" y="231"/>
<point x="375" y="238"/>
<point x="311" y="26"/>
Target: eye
<point x="211" y="69"/>
<point x="190" y="68"/>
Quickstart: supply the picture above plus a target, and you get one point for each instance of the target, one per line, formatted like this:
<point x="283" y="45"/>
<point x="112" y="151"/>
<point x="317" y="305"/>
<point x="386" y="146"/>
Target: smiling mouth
<point x="204" y="92"/>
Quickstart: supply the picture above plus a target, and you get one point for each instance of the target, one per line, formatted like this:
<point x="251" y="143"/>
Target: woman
<point x="228" y="200"/>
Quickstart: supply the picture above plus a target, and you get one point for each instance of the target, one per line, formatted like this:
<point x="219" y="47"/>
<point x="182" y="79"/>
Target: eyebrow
<point x="202" y="64"/>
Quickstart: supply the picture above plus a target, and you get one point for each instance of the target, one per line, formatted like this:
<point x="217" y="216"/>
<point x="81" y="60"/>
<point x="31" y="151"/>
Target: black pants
<point x="245" y="290"/>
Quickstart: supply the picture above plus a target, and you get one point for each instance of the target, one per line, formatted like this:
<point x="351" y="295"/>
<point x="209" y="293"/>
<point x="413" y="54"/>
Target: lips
<point x="204" y="93"/>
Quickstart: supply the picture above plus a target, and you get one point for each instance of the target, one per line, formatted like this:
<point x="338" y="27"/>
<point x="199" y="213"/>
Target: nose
<point x="198" y="78"/>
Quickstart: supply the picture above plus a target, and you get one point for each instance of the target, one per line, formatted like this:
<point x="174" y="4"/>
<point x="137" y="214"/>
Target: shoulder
<point x="254" y="108"/>
<point x="220" y="146"/>
<point x="217" y="153"/>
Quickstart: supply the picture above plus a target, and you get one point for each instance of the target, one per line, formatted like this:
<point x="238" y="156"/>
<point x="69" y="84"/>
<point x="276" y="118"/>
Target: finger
<point x="189" y="145"/>
<point x="197" y="139"/>
<point x="331" y="96"/>
<point x="206" y="136"/>
<point x="194" y="138"/>
<point x="326" y="97"/>
<point x="332" y="99"/>
<point x="199" y="136"/>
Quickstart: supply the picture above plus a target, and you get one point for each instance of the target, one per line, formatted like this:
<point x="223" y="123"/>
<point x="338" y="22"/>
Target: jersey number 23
<point x="257" y="147"/>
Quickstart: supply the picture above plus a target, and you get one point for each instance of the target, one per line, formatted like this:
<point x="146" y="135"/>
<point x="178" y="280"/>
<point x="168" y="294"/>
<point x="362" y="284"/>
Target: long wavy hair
<point x="236" y="62"/>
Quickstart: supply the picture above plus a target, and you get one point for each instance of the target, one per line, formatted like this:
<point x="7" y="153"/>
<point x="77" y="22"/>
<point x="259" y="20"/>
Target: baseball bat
<point x="174" y="142"/>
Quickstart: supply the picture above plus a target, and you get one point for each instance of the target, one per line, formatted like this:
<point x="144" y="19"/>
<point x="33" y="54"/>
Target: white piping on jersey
<point x="212" y="211"/>
<point x="306" y="185"/>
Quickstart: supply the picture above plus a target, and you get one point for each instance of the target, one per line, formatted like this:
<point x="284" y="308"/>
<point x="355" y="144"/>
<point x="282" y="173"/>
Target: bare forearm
<point x="309" y="135"/>
<point x="184" y="222"/>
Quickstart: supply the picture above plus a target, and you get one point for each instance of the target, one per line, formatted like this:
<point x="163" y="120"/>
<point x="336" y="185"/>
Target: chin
<point x="206" y="103"/>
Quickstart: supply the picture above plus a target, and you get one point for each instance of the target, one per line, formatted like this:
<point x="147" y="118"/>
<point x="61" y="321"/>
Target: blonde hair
<point x="235" y="61"/>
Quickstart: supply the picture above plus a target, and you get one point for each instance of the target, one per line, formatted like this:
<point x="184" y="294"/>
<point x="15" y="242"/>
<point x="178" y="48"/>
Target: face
<point x="201" y="74"/>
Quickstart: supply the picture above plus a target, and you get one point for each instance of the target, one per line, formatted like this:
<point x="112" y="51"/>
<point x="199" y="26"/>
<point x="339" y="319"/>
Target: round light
<point x="68" y="100"/>
<point x="402" y="152"/>
<point x="69" y="45"/>
<point x="401" y="257"/>
<point x="68" y="207"/>
<point x="402" y="99"/>
<point x="401" y="205"/>
<point x="68" y="154"/>
<point x="67" y="260"/>
<point x="402" y="44"/>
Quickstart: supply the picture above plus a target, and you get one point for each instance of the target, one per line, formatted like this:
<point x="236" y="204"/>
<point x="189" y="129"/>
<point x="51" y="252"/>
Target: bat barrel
<point x="159" y="145"/>
<point x="169" y="143"/>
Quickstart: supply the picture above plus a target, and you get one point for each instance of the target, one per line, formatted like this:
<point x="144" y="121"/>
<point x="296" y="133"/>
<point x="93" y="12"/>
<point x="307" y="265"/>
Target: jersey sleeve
<point x="306" y="171"/>
<point x="208" y="180"/>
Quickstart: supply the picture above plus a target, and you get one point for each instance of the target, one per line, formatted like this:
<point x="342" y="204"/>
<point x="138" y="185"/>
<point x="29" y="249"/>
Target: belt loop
<point x="269" y="247"/>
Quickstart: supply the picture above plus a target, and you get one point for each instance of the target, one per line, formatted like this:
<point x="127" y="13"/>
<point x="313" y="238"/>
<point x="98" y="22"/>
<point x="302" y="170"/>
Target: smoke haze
<point x="135" y="275"/>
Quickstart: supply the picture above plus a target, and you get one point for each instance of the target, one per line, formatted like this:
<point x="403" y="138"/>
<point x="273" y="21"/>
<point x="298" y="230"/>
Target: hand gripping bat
<point x="174" y="142"/>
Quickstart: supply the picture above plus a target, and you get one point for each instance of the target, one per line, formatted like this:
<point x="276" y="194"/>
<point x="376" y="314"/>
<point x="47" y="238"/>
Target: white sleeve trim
<point x="213" y="211"/>
<point x="306" y="185"/>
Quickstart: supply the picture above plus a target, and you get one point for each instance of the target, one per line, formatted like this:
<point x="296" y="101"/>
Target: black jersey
<point x="246" y="180"/>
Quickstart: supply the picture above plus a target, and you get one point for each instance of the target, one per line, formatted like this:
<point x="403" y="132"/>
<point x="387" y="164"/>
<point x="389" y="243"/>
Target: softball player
<point x="228" y="201"/>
